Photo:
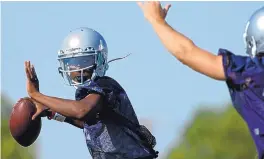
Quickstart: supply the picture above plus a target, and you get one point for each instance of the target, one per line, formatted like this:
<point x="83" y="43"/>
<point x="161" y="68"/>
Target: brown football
<point x="23" y="129"/>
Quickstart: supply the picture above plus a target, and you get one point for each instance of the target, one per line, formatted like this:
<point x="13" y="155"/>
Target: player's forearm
<point x="66" y="107"/>
<point x="74" y="122"/>
<point x="176" y="43"/>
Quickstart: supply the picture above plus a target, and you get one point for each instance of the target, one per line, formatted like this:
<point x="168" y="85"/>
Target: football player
<point x="244" y="75"/>
<point x="102" y="108"/>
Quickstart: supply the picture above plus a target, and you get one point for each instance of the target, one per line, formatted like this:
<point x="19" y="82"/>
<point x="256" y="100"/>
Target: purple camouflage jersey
<point x="245" y="79"/>
<point x="104" y="138"/>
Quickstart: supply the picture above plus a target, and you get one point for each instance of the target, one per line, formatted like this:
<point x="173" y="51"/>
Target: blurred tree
<point x="215" y="135"/>
<point x="10" y="149"/>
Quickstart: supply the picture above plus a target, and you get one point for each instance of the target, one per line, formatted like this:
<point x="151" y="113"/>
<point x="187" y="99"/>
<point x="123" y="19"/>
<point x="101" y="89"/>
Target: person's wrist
<point x="34" y="94"/>
<point x="59" y="117"/>
<point x="156" y="22"/>
<point x="50" y="114"/>
<point x="56" y="116"/>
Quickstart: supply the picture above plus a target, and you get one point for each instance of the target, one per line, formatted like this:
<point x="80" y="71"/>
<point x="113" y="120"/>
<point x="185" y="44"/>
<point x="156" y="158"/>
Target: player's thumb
<point x="167" y="7"/>
<point x="36" y="115"/>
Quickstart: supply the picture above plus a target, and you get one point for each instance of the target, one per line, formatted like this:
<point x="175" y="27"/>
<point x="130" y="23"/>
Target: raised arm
<point x="179" y="45"/>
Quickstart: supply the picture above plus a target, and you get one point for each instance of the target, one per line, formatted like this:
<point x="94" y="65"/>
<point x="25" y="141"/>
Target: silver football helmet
<point x="254" y="33"/>
<point x="82" y="50"/>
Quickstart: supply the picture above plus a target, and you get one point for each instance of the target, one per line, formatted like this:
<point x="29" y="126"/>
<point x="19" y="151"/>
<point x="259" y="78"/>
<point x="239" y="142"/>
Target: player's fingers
<point x="28" y="64"/>
<point x="30" y="71"/>
<point x="29" y="68"/>
<point x="34" y="72"/>
<point x="156" y="2"/>
<point x="40" y="113"/>
<point x="26" y="70"/>
<point x="140" y="4"/>
<point x="167" y="7"/>
<point x="44" y="113"/>
<point x="36" y="115"/>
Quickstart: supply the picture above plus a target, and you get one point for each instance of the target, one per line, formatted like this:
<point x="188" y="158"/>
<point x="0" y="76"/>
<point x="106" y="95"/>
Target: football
<point x="23" y="129"/>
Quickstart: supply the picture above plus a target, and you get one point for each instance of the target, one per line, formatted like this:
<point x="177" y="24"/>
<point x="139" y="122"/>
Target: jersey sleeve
<point x="232" y="63"/>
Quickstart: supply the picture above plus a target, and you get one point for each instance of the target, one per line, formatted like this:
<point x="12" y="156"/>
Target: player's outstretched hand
<point x="32" y="83"/>
<point x="153" y="11"/>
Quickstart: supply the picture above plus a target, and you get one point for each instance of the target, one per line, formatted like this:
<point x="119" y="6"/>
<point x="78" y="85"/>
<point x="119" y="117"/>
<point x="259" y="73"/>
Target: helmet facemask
<point x="78" y="69"/>
<point x="250" y="43"/>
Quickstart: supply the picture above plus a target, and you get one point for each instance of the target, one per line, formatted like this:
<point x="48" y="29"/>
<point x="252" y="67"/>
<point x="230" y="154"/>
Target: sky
<point x="160" y="88"/>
